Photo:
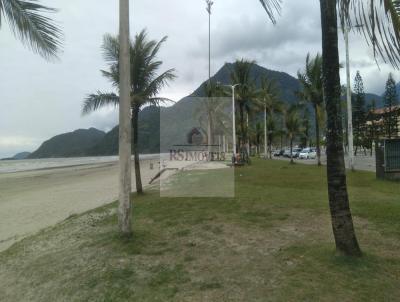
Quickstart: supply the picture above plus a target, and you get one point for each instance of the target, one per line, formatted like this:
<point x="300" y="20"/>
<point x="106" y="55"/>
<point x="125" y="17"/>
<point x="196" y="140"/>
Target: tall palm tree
<point x="146" y="83"/>
<point x="269" y="102"/>
<point x="245" y="93"/>
<point x="312" y="92"/>
<point x="37" y="31"/>
<point x="293" y="124"/>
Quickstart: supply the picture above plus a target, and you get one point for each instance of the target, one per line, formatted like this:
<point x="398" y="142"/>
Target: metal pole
<point x="209" y="45"/>
<point x="209" y="6"/>
<point x="124" y="208"/>
<point x="349" y="106"/>
<point x="234" y="120"/>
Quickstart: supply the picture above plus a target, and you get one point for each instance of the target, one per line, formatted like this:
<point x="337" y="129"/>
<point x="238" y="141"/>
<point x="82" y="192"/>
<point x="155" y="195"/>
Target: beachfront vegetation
<point x="146" y="83"/>
<point x="269" y="102"/>
<point x="245" y="95"/>
<point x="386" y="44"/>
<point x="293" y="125"/>
<point x="391" y="99"/>
<point x="312" y="92"/>
<point x="273" y="241"/>
<point x="28" y="21"/>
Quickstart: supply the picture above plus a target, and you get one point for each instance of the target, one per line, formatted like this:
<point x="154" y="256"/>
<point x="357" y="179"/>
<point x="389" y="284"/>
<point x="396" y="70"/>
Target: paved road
<point x="362" y="162"/>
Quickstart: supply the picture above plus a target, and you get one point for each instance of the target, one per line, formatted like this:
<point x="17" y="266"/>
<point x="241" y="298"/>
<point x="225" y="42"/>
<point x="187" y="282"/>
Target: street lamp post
<point x="233" y="116"/>
<point x="234" y="119"/>
<point x="209" y="6"/>
<point x="124" y="207"/>
<point x="349" y="105"/>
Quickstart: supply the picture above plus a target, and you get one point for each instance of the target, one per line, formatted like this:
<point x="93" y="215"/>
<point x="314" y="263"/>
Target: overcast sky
<point x="40" y="99"/>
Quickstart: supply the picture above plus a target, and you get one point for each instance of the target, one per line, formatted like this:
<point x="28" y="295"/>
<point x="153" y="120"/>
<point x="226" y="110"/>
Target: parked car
<point x="278" y="153"/>
<point x="296" y="152"/>
<point x="308" y="153"/>
<point x="286" y="153"/>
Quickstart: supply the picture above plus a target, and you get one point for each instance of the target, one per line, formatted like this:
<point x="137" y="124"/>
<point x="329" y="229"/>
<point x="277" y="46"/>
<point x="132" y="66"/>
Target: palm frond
<point x="110" y="49"/>
<point x="95" y="101"/>
<point x="155" y="86"/>
<point x="157" y="101"/>
<point x="378" y="21"/>
<point x="146" y="82"/>
<point x="27" y="23"/>
<point x="271" y="6"/>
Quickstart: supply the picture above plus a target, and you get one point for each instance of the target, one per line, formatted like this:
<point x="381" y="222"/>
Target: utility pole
<point x="124" y="207"/>
<point x="234" y="119"/>
<point x="349" y="105"/>
<point x="209" y="6"/>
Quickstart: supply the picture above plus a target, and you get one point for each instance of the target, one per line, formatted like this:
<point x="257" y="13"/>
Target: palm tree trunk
<point x="342" y="222"/>
<point x="243" y="136"/>
<point x="317" y="135"/>
<point x="270" y="147"/>
<point x="125" y="205"/>
<point x="247" y="134"/>
<point x="135" y="125"/>
<point x="291" y="150"/>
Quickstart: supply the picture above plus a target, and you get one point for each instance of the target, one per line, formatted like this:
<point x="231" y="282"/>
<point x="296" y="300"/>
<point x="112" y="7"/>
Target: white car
<point x="308" y="153"/>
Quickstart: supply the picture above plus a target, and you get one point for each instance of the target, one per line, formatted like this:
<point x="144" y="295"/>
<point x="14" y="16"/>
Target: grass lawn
<point x="272" y="242"/>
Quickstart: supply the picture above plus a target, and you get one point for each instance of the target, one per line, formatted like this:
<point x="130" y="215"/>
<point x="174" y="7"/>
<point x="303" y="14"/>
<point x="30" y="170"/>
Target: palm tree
<point x="212" y="111"/>
<point x="293" y="124"/>
<point x="146" y="83"/>
<point x="245" y="93"/>
<point x="28" y="24"/>
<point x="269" y="102"/>
<point x="312" y="84"/>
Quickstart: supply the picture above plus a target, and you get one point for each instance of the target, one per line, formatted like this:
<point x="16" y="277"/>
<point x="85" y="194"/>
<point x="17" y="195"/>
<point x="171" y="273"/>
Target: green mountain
<point x="73" y="144"/>
<point x="287" y="84"/>
<point x="149" y="136"/>
<point x="21" y="155"/>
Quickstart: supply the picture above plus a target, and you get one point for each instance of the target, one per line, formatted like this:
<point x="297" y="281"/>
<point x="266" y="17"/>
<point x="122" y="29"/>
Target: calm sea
<point x="10" y="166"/>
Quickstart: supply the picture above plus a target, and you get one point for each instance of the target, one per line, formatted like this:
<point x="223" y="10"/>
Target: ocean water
<point x="11" y="166"/>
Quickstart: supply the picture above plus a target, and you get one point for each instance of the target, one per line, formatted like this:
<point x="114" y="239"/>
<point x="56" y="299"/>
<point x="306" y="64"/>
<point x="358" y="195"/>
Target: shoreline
<point x="65" y="162"/>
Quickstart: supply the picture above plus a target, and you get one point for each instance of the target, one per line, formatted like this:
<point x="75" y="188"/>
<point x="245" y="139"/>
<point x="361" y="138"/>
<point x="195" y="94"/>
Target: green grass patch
<point x="272" y="241"/>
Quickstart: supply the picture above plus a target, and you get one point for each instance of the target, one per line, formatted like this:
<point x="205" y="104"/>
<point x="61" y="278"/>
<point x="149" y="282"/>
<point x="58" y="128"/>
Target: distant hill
<point x="21" y="155"/>
<point x="18" y="156"/>
<point x="378" y="99"/>
<point x="71" y="144"/>
<point x="149" y="135"/>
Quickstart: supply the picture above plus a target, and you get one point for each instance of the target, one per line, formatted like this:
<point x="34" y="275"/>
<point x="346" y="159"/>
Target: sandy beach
<point x="33" y="200"/>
